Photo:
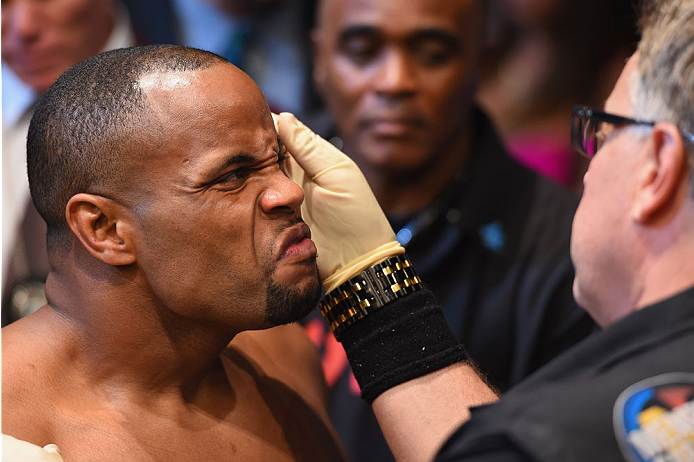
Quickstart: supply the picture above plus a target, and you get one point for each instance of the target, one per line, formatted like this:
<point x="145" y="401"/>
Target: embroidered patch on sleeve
<point x="654" y="419"/>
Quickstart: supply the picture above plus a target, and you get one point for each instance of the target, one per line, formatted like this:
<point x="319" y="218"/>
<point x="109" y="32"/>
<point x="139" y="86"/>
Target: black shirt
<point x="580" y="407"/>
<point x="494" y="249"/>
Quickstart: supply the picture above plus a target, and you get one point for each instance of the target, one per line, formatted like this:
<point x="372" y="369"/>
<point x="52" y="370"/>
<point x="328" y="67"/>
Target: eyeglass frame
<point x="580" y="114"/>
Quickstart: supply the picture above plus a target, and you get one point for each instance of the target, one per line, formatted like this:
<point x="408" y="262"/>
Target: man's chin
<point x="294" y="273"/>
<point x="290" y="303"/>
<point x="38" y="79"/>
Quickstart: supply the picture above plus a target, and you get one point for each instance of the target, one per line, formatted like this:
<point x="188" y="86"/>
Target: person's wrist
<point x="357" y="265"/>
<point x="371" y="289"/>
<point x="390" y="326"/>
<point x="406" y="339"/>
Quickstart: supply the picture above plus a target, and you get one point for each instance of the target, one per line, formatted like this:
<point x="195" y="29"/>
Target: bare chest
<point x="248" y="431"/>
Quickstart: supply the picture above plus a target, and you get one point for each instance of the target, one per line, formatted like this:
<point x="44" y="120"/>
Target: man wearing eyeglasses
<point x="640" y="167"/>
<point x="626" y="393"/>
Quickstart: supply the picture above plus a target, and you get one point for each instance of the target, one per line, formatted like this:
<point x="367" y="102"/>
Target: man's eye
<point x="281" y="162"/>
<point x="433" y="54"/>
<point x="360" y="50"/>
<point x="236" y="175"/>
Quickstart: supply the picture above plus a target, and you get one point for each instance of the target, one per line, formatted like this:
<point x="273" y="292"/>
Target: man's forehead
<point x="165" y="81"/>
<point x="206" y="110"/>
<point x="197" y="92"/>
<point x="381" y="12"/>
<point x="619" y="101"/>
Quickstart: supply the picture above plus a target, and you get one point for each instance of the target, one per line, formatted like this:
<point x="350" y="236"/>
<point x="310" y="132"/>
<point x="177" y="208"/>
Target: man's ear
<point x="102" y="227"/>
<point x="661" y="177"/>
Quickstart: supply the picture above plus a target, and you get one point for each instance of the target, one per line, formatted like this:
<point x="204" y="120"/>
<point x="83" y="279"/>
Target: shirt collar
<point x="17" y="97"/>
<point x="662" y="318"/>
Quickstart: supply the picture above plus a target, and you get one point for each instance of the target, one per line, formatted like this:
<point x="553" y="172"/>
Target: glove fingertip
<point x="288" y="117"/>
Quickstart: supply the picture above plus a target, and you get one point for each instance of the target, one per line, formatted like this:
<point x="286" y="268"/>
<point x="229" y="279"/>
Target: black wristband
<point x="405" y="339"/>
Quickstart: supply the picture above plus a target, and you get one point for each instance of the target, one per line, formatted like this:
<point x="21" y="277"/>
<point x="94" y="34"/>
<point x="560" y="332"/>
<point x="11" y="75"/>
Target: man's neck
<point x="667" y="268"/>
<point x="406" y="192"/>
<point x="661" y="266"/>
<point x="127" y="342"/>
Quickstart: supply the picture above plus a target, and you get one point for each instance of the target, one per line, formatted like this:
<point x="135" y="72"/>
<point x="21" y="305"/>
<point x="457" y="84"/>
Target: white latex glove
<point x="347" y="224"/>
<point x="14" y="450"/>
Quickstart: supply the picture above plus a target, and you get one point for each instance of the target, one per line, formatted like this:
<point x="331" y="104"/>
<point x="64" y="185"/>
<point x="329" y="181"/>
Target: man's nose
<point x="281" y="196"/>
<point x="396" y="74"/>
<point x="21" y="20"/>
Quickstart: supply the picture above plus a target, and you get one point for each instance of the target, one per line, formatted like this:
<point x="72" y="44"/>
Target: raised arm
<point x="403" y="354"/>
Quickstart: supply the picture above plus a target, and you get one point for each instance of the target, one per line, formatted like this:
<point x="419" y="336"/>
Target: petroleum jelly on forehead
<point x="165" y="81"/>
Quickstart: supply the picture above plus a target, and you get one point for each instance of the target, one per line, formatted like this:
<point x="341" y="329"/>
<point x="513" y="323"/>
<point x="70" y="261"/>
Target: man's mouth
<point x="393" y="126"/>
<point x="296" y="243"/>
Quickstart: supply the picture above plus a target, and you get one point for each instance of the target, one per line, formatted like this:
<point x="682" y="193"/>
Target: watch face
<point x="654" y="419"/>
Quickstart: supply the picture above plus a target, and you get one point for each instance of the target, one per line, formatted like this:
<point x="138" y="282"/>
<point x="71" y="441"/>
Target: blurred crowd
<point x="535" y="60"/>
<point x="544" y="57"/>
<point x="540" y="58"/>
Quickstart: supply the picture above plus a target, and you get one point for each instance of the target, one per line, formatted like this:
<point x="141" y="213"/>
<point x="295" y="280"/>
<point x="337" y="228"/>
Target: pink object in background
<point x="549" y="156"/>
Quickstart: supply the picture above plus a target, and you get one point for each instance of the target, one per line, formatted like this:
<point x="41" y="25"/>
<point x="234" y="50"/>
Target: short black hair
<point x="89" y="117"/>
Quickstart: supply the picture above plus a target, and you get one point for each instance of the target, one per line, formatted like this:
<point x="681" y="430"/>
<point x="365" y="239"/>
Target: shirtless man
<point x="172" y="229"/>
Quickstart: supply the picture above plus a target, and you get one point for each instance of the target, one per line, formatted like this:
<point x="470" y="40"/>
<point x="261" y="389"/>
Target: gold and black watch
<point x="371" y="289"/>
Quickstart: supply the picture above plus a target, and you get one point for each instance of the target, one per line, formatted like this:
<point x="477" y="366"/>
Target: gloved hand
<point x="347" y="224"/>
<point x="14" y="450"/>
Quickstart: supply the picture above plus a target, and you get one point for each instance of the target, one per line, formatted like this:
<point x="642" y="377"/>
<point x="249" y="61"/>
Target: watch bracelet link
<point x="374" y="287"/>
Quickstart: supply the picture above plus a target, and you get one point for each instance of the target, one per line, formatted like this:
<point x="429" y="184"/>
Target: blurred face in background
<point x="41" y="39"/>
<point x="530" y="13"/>
<point x="398" y="77"/>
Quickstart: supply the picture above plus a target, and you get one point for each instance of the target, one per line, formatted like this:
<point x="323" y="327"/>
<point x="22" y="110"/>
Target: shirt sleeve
<point x="492" y="449"/>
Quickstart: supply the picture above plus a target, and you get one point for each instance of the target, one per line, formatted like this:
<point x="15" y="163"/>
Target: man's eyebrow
<point x="355" y="31"/>
<point x="449" y="38"/>
<point x="236" y="160"/>
<point x="243" y="158"/>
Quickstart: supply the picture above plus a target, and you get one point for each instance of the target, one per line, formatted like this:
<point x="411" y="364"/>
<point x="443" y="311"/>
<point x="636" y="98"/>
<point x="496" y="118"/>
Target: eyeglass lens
<point x="592" y="136"/>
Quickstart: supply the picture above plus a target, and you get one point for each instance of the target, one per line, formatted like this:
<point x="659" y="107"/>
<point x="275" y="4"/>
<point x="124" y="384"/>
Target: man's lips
<point x="393" y="126"/>
<point x="296" y="243"/>
<point x="31" y="60"/>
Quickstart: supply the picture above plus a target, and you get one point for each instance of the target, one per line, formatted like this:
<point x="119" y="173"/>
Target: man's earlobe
<point x="663" y="177"/>
<point x="101" y="226"/>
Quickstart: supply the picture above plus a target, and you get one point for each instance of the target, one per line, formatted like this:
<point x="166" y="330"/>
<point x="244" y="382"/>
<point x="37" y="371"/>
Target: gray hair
<point x="662" y="89"/>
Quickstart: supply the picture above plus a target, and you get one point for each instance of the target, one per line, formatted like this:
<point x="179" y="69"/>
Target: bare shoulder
<point x="29" y="377"/>
<point x="288" y="352"/>
<point x="23" y="360"/>
<point x="281" y="370"/>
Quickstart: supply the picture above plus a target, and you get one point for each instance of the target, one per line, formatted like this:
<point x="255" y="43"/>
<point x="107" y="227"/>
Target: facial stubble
<point x="286" y="304"/>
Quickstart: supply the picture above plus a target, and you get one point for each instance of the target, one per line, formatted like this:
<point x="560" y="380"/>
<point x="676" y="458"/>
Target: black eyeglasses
<point x="588" y="136"/>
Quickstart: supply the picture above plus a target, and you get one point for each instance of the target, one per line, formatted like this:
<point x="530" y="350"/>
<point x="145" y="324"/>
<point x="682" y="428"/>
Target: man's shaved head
<point x="93" y="114"/>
